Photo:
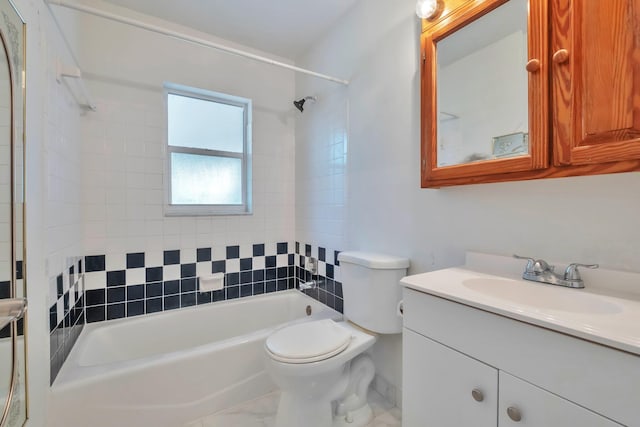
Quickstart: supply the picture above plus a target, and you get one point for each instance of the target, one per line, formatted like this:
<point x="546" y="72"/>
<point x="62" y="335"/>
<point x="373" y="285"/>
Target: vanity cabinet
<point x="466" y="367"/>
<point x="445" y="388"/>
<point x="581" y="71"/>
<point x="525" y="405"/>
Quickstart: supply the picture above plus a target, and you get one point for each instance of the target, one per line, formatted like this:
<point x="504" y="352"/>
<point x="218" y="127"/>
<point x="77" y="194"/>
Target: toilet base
<point x="296" y="412"/>
<point x="349" y="392"/>
<point x="352" y="409"/>
<point x="358" y="418"/>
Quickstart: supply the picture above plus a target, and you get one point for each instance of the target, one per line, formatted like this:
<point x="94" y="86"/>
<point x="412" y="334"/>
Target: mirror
<point x="482" y="88"/>
<point x="12" y="89"/>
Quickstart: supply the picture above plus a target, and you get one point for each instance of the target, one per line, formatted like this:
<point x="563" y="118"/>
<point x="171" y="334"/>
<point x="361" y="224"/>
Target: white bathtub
<point x="166" y="369"/>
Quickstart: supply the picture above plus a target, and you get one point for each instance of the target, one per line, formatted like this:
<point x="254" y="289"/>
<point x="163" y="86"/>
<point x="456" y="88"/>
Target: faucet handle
<point x="542" y="266"/>
<point x="572" y="273"/>
<point x="535" y="266"/>
<point x="530" y="263"/>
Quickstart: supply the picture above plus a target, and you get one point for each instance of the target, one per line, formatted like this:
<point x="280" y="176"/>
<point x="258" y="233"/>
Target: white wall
<point x="125" y="69"/>
<point x="376" y="46"/>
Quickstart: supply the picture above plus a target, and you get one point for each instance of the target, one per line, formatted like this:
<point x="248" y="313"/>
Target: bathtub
<point x="169" y="368"/>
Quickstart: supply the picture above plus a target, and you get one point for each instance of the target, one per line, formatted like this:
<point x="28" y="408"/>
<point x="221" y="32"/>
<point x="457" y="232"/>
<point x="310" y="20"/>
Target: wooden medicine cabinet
<point x="527" y="89"/>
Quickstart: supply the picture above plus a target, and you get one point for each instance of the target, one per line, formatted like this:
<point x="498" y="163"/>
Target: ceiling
<point x="281" y="27"/>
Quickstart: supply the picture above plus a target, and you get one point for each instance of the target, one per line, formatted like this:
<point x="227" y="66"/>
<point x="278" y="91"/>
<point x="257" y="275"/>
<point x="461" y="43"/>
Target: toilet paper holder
<point x="400" y="309"/>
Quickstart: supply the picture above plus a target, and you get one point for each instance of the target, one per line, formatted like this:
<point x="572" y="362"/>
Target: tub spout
<point x="307" y="285"/>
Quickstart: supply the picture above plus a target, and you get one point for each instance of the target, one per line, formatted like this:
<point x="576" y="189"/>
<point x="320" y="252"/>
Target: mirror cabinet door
<point x="484" y="91"/>
<point x="12" y="285"/>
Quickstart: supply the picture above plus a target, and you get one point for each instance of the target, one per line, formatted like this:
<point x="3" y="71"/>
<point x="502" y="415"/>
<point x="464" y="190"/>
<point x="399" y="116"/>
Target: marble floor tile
<point x="261" y="412"/>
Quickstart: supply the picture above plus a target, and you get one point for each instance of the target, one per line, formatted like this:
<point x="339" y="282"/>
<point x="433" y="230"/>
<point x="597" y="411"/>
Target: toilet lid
<point x="308" y="342"/>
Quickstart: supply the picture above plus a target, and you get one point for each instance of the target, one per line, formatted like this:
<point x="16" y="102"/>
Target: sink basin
<point x="544" y="297"/>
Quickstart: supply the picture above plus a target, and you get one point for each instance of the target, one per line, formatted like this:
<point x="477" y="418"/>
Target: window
<point x="208" y="153"/>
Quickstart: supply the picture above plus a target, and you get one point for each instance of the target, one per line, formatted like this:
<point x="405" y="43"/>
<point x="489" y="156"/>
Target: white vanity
<point x="482" y="347"/>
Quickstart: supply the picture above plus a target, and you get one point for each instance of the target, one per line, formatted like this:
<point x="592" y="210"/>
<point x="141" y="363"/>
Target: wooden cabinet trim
<point x="550" y="172"/>
<point x="537" y="43"/>
<point x="609" y="141"/>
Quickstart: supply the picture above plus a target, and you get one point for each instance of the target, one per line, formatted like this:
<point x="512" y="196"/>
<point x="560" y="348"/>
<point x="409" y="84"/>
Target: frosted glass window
<point x="205" y="180"/>
<point x="201" y="123"/>
<point x="208" y="153"/>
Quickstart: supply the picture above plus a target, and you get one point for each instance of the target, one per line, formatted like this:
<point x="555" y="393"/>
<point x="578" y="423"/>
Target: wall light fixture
<point x="429" y="9"/>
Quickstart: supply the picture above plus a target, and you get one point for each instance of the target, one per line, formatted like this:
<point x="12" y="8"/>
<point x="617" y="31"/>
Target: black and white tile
<point x="66" y="314"/>
<point x="329" y="289"/>
<point x="140" y="283"/>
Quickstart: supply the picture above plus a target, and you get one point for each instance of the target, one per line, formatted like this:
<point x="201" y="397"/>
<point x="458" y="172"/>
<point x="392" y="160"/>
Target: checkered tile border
<point x="66" y="315"/>
<point x="329" y="290"/>
<point x="141" y="283"/>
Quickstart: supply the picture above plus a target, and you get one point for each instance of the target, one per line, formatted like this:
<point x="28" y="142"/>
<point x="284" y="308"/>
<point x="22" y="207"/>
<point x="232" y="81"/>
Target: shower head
<point x="299" y="104"/>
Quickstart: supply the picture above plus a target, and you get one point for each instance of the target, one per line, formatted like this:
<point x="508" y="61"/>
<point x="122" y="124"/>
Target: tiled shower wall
<point x="141" y="283"/>
<point x="328" y="278"/>
<point x="61" y="202"/>
<point x="125" y="144"/>
<point x="66" y="315"/>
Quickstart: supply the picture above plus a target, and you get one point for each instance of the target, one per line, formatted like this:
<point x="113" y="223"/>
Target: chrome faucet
<point x="311" y="267"/>
<point x="540" y="271"/>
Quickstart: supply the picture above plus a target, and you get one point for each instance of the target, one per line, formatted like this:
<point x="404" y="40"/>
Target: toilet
<point x="321" y="366"/>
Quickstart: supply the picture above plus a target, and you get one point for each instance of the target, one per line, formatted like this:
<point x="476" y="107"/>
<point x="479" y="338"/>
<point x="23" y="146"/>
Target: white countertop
<point x="591" y="314"/>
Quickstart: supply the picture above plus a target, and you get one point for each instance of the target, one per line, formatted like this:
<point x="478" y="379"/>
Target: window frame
<point x="245" y="208"/>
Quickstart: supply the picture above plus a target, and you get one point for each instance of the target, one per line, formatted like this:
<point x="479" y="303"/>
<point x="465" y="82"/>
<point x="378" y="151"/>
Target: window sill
<point x="205" y="210"/>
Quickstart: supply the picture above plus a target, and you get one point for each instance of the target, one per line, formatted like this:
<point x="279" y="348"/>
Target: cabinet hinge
<point x="424" y="57"/>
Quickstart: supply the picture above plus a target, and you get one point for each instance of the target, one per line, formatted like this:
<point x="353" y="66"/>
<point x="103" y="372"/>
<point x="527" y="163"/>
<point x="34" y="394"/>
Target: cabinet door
<point x="438" y="383"/>
<point x="596" y="81"/>
<point x="539" y="408"/>
<point x="485" y="91"/>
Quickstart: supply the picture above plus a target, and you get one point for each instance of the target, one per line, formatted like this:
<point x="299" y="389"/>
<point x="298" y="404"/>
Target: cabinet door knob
<point x="514" y="413"/>
<point x="533" y="65"/>
<point x="561" y="56"/>
<point x="477" y="394"/>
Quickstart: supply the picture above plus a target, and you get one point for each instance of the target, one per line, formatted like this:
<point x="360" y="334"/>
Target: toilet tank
<point x="371" y="289"/>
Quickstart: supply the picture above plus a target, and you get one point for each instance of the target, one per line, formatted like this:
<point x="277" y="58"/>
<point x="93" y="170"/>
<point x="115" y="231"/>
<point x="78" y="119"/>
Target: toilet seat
<point x="308" y="342"/>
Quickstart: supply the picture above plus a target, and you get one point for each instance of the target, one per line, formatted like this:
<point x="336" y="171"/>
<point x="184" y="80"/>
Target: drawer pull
<point x="477" y="394"/>
<point x="514" y="413"/>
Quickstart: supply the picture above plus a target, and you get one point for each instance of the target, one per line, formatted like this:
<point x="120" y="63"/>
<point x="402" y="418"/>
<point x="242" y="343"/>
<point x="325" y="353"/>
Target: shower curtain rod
<point x="191" y="39"/>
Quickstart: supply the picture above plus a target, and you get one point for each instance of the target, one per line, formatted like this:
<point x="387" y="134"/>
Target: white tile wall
<point x="123" y="158"/>
<point x="321" y="159"/>
<point x="63" y="170"/>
